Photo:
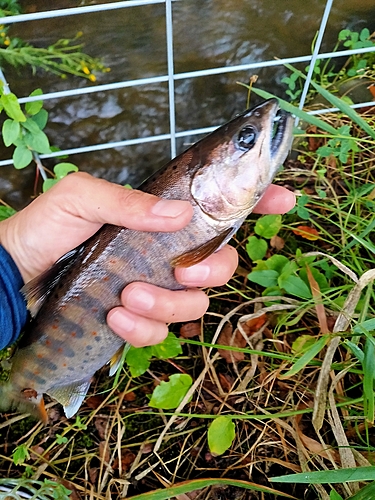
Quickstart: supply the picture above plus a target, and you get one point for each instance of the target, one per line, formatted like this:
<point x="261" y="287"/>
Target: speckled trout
<point x="223" y="176"/>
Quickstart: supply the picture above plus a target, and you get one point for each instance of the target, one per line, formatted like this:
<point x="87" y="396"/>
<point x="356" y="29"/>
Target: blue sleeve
<point x="13" y="311"/>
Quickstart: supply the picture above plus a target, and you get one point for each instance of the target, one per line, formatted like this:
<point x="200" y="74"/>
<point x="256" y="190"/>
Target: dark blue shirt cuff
<point x="13" y="311"/>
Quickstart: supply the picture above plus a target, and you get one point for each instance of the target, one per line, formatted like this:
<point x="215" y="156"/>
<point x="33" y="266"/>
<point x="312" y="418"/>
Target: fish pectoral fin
<point x="37" y="290"/>
<point x="118" y="358"/>
<point x="71" y="396"/>
<point x="200" y="253"/>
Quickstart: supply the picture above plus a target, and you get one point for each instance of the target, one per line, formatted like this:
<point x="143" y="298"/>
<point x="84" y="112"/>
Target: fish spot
<point x="174" y="167"/>
<point x="89" y="347"/>
<point x="71" y="369"/>
<point x="105" y="278"/>
<point x="98" y="339"/>
<point x="60" y="350"/>
<point x="49" y="365"/>
<point x="55" y="327"/>
<point x="94" y="309"/>
<point x="48" y="342"/>
<point x="40" y="356"/>
<point x="94" y="333"/>
<point x="64" y="365"/>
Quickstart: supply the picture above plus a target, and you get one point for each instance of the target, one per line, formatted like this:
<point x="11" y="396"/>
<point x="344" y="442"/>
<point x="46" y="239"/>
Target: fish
<point x="67" y="340"/>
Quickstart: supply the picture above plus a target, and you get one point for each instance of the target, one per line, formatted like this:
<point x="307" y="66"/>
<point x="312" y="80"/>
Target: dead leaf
<point x="190" y="330"/>
<point x="93" y="474"/>
<point x="94" y="402"/>
<point x="253" y="325"/>
<point x="277" y="242"/>
<point x="127" y="458"/>
<point x="38" y="450"/>
<point x="313" y="141"/>
<point x="130" y="396"/>
<point x="227" y="337"/>
<point x="226" y="381"/>
<point x="147" y="448"/>
<point x="101" y="425"/>
<point x="319" y="307"/>
<point x="317" y="448"/>
<point x="307" y="232"/>
<point x="104" y="451"/>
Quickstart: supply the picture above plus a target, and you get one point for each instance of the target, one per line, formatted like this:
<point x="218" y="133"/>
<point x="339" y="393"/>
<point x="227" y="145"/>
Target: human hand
<point x="80" y="204"/>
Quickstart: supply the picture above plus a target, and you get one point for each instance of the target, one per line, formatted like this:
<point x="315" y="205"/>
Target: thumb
<point x="102" y="202"/>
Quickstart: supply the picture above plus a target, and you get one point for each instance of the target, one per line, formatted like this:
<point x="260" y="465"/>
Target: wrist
<point x="8" y="240"/>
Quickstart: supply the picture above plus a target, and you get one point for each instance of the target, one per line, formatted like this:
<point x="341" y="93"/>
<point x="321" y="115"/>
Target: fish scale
<point x="222" y="176"/>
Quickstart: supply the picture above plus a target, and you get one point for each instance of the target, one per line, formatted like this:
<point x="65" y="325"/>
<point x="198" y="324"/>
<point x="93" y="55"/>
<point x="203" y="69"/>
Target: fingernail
<point x="122" y="321"/>
<point x="139" y="300"/>
<point x="195" y="275"/>
<point x="169" y="208"/>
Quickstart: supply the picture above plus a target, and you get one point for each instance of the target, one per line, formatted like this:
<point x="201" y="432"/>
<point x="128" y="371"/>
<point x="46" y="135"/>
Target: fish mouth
<point x="282" y="134"/>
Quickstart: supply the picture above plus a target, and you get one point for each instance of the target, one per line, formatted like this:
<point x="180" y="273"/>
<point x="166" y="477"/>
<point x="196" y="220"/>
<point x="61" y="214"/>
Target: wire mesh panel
<point x="176" y="79"/>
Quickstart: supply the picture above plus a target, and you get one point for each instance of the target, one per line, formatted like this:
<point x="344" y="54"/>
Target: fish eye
<point x="246" y="138"/>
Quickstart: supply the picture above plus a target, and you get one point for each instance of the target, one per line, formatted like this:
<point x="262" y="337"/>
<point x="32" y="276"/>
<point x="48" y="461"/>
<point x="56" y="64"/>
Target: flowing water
<point x="132" y="42"/>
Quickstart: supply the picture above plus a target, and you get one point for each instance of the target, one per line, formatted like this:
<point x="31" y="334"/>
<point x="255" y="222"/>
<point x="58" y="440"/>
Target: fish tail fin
<point x="27" y="401"/>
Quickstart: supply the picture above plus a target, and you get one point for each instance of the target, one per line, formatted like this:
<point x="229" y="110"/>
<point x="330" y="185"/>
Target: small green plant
<point x="327" y="75"/>
<point x="168" y="395"/>
<point x="138" y="359"/>
<point x="221" y="434"/>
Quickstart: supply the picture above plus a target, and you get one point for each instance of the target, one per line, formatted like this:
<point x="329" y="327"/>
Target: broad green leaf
<point x="169" y="348"/>
<point x="295" y="286"/>
<point x="6" y="212"/>
<point x="41" y="118"/>
<point x="319" y="278"/>
<point x="33" y="107"/>
<point x="48" y="183"/>
<point x="308" y="356"/>
<point x="324" y="477"/>
<point x="11" y="130"/>
<point x="31" y="126"/>
<point x="277" y="262"/>
<point x="168" y="395"/>
<point x="63" y="169"/>
<point x="20" y="454"/>
<point x="333" y="495"/>
<point x="256" y="248"/>
<point x="366" y="493"/>
<point x="37" y="141"/>
<point x="22" y="157"/>
<point x="302" y="344"/>
<point x="358" y="353"/>
<point x="138" y="360"/>
<point x="289" y="269"/>
<point x="368" y="325"/>
<point x="268" y="225"/>
<point x="265" y="278"/>
<point x="12" y="107"/>
<point x="221" y="433"/>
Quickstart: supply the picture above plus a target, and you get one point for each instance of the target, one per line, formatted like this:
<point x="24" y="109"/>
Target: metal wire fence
<point x="171" y="76"/>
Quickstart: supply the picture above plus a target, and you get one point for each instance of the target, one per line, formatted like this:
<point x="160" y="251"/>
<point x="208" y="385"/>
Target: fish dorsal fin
<point x="71" y="396"/>
<point x="38" y="289"/>
<point x="200" y="253"/>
